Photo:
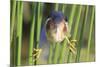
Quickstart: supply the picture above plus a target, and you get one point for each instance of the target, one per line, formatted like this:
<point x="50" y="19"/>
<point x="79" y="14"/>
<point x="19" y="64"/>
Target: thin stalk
<point x="76" y="28"/>
<point x="68" y="57"/>
<point x="70" y="26"/>
<point x="61" y="58"/>
<point x="72" y="16"/>
<point x="12" y="32"/>
<point x="90" y="34"/>
<point x="63" y="8"/>
<point x="13" y="20"/>
<point x="19" y="31"/>
<point x="31" y="43"/>
<point x="56" y="54"/>
<point x="62" y="51"/>
<point x="39" y="21"/>
<point x="77" y="23"/>
<point x="50" y="54"/>
<point x="77" y="59"/>
<point x="56" y="7"/>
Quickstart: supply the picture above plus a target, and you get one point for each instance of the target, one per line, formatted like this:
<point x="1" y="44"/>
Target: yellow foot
<point x="72" y="45"/>
<point x="36" y="53"/>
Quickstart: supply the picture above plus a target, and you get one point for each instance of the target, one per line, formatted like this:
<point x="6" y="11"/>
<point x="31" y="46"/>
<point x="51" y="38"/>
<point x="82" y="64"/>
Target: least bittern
<point x="56" y="30"/>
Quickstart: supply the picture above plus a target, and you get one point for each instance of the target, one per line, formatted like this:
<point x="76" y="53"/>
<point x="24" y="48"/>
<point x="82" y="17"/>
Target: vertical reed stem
<point x="39" y="21"/>
<point x="56" y="7"/>
<point x="19" y="31"/>
<point x="70" y="26"/>
<point x="55" y="59"/>
<point x="50" y="54"/>
<point x="81" y="35"/>
<point x="63" y="8"/>
<point x="12" y="20"/>
<point x="72" y="16"/>
<point x="61" y="58"/>
<point x="77" y="24"/>
<point x="31" y="43"/>
<point x="90" y="34"/>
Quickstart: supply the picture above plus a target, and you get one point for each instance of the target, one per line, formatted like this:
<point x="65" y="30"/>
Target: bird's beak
<point x="60" y="34"/>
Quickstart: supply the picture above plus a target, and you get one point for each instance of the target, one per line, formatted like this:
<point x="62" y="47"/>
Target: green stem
<point x="62" y="51"/>
<point x="56" y="54"/>
<point x="76" y="27"/>
<point x="19" y="31"/>
<point x="90" y="33"/>
<point x="13" y="19"/>
<point x="38" y="27"/>
<point x="72" y="16"/>
<point x="39" y="20"/>
<point x="50" y="54"/>
<point x="63" y="8"/>
<point x="77" y="23"/>
<point x="56" y="7"/>
<point x="31" y="43"/>
<point x="81" y="35"/>
<point x="70" y="26"/>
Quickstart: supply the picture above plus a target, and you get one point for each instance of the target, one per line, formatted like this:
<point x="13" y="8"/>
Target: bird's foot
<point x="72" y="46"/>
<point x="36" y="53"/>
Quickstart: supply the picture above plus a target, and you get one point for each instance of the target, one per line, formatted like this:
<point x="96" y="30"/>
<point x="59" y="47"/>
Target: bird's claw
<point x="72" y="46"/>
<point x="36" y="53"/>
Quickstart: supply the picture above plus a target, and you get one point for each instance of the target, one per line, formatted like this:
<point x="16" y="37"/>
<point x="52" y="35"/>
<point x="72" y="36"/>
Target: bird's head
<point x="56" y="26"/>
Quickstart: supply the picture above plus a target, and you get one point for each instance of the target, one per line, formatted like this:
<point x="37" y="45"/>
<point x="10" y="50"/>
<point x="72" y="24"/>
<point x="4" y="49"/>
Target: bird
<point x="54" y="30"/>
<point x="56" y="27"/>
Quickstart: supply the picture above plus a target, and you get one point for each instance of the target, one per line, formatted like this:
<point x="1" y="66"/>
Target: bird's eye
<point x="66" y="19"/>
<point x="50" y="25"/>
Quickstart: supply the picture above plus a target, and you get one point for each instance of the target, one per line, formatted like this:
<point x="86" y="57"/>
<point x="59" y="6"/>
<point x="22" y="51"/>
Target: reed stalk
<point x="61" y="58"/>
<point x="38" y="26"/>
<point x="56" y="54"/>
<point x="72" y="14"/>
<point x="90" y="34"/>
<point x="71" y="18"/>
<point x="77" y="59"/>
<point x="31" y="43"/>
<point x="77" y="24"/>
<point x="39" y="21"/>
<point x="63" y="8"/>
<point x="12" y="20"/>
<point x="50" y="54"/>
<point x="12" y="32"/>
<point x="19" y="30"/>
<point x="56" y="7"/>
